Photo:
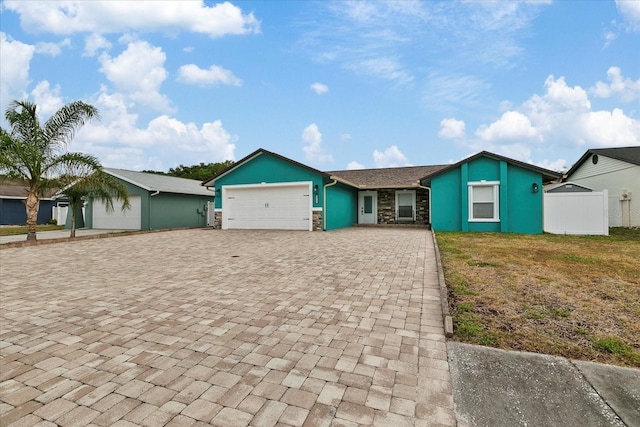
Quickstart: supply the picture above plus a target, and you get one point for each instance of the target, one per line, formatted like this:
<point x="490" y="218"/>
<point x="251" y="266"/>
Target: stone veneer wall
<point x="217" y="219"/>
<point x="387" y="207"/>
<point x="317" y="220"/>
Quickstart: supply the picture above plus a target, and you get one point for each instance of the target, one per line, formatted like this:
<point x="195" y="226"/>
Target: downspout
<point x="428" y="189"/>
<point x="324" y="203"/>
<point x="149" y="213"/>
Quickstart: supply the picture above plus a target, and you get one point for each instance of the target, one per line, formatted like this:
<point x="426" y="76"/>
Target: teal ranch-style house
<point x="488" y="192"/>
<point x="485" y="192"/>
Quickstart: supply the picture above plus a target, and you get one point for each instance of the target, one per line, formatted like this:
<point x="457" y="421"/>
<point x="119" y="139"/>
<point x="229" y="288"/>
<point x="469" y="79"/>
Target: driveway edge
<point x="444" y="294"/>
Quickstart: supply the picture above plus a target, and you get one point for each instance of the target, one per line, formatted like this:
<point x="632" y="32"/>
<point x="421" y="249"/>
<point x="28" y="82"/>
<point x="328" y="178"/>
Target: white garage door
<point x="130" y="219"/>
<point x="267" y="207"/>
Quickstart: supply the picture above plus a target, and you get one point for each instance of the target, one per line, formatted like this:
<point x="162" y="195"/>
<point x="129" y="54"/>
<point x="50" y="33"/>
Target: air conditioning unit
<point x="625" y="195"/>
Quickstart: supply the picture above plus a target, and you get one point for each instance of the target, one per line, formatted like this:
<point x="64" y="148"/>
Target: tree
<point x="37" y="153"/>
<point x="199" y="172"/>
<point x="99" y="186"/>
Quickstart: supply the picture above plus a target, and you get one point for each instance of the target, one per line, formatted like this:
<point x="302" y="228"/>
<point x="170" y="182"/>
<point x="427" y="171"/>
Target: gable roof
<point x="551" y="187"/>
<point x="164" y="184"/>
<point x="400" y="177"/>
<point x="547" y="175"/>
<point x="625" y="154"/>
<point x="210" y="182"/>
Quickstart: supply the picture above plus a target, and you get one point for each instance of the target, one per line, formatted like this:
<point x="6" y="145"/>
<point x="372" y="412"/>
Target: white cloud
<point x="138" y="72"/>
<point x="52" y="49"/>
<point x="561" y="117"/>
<point x="354" y="165"/>
<point x="345" y="136"/>
<point x="121" y="16"/>
<point x="452" y="129"/>
<point x="48" y="100"/>
<point x="118" y="140"/>
<point x="609" y="37"/>
<point x="93" y="43"/>
<point x="609" y="129"/>
<point x="453" y="90"/>
<point x="625" y="88"/>
<point x="630" y="10"/>
<point x="390" y="158"/>
<point x="313" y="151"/>
<point x="564" y="115"/>
<point x="559" y="165"/>
<point x="15" y="58"/>
<point x="512" y="126"/>
<point x="192" y="74"/>
<point x="319" y="88"/>
<point x="387" y="68"/>
<point x="564" y="97"/>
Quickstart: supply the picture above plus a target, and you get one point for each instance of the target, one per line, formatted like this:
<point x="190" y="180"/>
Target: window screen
<point x="483" y="201"/>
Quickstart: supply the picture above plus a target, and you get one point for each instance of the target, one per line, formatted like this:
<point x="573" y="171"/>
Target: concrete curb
<point x="444" y="293"/>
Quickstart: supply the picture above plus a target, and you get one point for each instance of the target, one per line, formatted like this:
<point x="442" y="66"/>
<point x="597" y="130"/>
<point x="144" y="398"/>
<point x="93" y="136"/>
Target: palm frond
<point x="61" y="127"/>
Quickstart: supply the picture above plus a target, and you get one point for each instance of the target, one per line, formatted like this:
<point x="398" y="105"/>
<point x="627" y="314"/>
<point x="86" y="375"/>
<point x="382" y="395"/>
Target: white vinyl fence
<point x="577" y="213"/>
<point x="59" y="213"/>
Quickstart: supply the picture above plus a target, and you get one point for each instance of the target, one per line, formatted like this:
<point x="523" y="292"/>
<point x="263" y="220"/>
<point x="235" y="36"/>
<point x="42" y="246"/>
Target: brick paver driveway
<point x="230" y="328"/>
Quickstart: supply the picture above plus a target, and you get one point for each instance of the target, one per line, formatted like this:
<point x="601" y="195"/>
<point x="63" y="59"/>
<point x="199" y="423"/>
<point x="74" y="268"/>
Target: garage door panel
<point x="129" y="219"/>
<point x="270" y="207"/>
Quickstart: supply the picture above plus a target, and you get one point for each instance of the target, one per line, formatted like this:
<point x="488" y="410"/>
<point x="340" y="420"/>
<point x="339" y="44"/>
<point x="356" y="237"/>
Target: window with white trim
<point x="405" y="205"/>
<point x="484" y="198"/>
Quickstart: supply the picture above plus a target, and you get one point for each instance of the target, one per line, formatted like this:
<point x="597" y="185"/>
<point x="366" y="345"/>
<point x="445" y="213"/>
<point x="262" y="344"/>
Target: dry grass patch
<point x="571" y="296"/>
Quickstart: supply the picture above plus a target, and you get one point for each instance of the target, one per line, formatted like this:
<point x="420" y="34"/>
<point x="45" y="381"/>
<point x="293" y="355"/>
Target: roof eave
<point x="390" y="186"/>
<point x="546" y="173"/>
<point x="344" y="181"/>
<point x="211" y="181"/>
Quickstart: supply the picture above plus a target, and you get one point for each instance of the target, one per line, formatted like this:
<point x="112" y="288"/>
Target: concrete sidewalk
<point x="506" y="388"/>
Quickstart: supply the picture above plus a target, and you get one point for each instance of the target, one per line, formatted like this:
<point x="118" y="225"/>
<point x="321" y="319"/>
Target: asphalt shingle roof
<point x="162" y="183"/>
<point x="17" y="189"/>
<point x="387" y="177"/>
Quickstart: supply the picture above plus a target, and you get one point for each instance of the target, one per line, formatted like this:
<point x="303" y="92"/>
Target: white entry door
<point x="367" y="207"/>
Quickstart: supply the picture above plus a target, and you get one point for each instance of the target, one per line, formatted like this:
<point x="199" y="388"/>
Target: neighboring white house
<point x="616" y="170"/>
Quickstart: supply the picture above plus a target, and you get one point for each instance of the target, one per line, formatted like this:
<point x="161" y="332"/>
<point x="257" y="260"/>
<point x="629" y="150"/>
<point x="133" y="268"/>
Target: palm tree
<point x="99" y="186"/>
<point x="37" y="153"/>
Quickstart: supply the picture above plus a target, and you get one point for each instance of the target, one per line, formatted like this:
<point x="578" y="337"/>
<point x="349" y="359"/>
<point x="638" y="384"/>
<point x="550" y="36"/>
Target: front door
<point x="367" y="207"/>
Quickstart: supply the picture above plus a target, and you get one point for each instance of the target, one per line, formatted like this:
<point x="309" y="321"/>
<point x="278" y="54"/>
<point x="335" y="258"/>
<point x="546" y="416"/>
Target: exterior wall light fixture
<point x="534" y="187"/>
<point x="315" y="193"/>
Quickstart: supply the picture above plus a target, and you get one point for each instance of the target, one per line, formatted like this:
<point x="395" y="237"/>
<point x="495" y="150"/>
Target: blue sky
<point x="335" y="85"/>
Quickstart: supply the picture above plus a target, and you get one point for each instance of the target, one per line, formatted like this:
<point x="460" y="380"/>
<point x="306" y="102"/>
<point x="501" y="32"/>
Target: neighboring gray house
<point x="616" y="170"/>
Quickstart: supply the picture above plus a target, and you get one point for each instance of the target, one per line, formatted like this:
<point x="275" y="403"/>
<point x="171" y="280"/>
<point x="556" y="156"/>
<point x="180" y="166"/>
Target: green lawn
<point x="22" y="229"/>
